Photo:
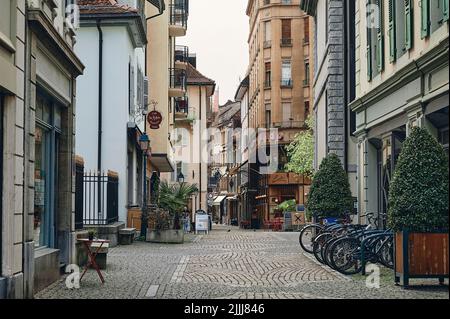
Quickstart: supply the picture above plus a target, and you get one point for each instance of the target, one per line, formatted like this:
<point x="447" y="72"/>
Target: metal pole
<point x="144" y="219"/>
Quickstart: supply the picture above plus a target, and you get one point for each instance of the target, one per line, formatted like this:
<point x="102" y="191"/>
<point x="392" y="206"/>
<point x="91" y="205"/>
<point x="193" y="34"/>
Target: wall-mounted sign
<point x="154" y="118"/>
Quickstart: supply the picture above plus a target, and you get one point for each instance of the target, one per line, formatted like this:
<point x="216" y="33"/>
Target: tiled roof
<point x="104" y="7"/>
<point x="194" y="76"/>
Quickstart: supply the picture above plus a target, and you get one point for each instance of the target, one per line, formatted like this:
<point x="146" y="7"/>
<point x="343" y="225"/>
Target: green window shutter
<point x="408" y="25"/>
<point x="445" y="9"/>
<point x="425" y="18"/>
<point x="369" y="42"/>
<point x="380" y="40"/>
<point x="392" y="41"/>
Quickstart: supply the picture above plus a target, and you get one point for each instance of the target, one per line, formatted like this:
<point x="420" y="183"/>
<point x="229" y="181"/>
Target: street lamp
<point x="144" y="143"/>
<point x="180" y="178"/>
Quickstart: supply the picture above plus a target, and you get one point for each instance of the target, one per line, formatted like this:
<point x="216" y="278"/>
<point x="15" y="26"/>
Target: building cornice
<point x="47" y="33"/>
<point x="436" y="56"/>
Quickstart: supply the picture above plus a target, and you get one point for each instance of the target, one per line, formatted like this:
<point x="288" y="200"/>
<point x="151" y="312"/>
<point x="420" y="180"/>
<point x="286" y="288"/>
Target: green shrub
<point x="288" y="206"/>
<point x="418" y="196"/>
<point x="330" y="194"/>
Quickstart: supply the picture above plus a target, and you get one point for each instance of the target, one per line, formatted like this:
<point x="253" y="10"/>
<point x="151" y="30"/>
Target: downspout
<point x="200" y="136"/>
<point x="100" y="97"/>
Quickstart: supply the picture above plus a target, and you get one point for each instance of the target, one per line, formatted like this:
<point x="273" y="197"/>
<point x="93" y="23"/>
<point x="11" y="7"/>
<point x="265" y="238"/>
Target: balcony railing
<point x="177" y="78"/>
<point x="179" y="14"/>
<point x="181" y="54"/>
<point x="286" y="42"/>
<point x="286" y="82"/>
<point x="182" y="105"/>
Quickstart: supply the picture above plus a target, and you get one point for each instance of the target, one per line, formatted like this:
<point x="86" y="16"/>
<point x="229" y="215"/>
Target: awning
<point x="218" y="200"/>
<point x="161" y="163"/>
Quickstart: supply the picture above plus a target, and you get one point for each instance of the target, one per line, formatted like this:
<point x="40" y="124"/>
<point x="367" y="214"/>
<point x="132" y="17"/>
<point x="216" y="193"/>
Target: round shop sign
<point x="154" y="118"/>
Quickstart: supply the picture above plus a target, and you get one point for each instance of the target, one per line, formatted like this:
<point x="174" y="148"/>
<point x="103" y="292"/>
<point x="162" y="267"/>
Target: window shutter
<point x="392" y="41"/>
<point x="425" y="18"/>
<point x="408" y="25"/>
<point x="380" y="39"/>
<point x="369" y="42"/>
<point x="445" y="9"/>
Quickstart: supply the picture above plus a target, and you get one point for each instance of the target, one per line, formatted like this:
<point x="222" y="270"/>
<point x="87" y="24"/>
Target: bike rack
<point x="363" y="255"/>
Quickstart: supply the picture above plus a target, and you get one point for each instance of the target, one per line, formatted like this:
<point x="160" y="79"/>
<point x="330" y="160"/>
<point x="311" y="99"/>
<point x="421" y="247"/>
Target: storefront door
<point x="387" y="160"/>
<point x="47" y="136"/>
<point x="1" y="178"/>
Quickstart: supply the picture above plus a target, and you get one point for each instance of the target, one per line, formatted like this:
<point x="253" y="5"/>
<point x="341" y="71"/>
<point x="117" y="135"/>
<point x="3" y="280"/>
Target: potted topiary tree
<point x="418" y="209"/>
<point x="330" y="195"/>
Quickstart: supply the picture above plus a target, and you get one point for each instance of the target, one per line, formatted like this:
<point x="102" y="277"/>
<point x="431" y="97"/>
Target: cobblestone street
<point x="229" y="264"/>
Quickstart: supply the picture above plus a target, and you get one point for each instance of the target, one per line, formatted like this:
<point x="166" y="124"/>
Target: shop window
<point x="47" y="137"/>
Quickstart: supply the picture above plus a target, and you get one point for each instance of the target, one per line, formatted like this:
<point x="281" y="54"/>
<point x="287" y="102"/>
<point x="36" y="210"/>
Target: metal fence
<point x="79" y="177"/>
<point x="100" y="198"/>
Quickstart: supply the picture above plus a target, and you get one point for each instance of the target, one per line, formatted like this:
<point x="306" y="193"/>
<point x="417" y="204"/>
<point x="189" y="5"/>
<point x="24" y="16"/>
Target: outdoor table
<point x="92" y="255"/>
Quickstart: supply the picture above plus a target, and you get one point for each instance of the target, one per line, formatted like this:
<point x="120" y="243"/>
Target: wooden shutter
<point x="408" y="25"/>
<point x="369" y="42"/>
<point x="392" y="40"/>
<point x="445" y="9"/>
<point x="380" y="38"/>
<point x="425" y="18"/>
<point x="285" y="29"/>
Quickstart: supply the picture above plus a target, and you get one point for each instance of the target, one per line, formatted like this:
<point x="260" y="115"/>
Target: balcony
<point x="286" y="42"/>
<point x="177" y="82"/>
<point x="181" y="56"/>
<point x="179" y="13"/>
<point x="182" y="111"/>
<point x="286" y="83"/>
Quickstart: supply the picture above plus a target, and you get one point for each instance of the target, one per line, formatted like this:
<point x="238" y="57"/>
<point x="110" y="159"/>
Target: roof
<point x="195" y="77"/>
<point x="243" y="87"/>
<point x="104" y="7"/>
<point x="227" y="112"/>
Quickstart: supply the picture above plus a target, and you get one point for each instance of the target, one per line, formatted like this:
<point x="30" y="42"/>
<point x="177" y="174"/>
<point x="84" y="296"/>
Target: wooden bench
<point x="102" y="255"/>
<point x="126" y="236"/>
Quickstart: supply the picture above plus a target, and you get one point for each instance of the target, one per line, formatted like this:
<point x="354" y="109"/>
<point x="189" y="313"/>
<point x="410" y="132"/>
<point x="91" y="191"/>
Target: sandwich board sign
<point x="201" y="223"/>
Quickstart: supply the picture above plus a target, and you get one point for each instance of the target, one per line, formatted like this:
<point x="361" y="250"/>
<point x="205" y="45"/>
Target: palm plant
<point x="174" y="197"/>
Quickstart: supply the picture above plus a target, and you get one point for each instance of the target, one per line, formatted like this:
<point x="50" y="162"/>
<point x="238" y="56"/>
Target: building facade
<point x="333" y="82"/>
<point x="279" y="90"/>
<point x="402" y="50"/>
<point x="111" y="113"/>
<point x="189" y="135"/>
<point x="38" y="70"/>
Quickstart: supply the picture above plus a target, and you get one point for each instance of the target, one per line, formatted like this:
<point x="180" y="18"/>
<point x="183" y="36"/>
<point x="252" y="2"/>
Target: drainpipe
<point x="100" y="96"/>
<point x="200" y="136"/>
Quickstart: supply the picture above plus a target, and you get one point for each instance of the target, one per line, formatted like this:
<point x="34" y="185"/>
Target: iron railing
<point x="182" y="105"/>
<point x="177" y="78"/>
<point x="100" y="199"/>
<point x="79" y="192"/>
<point x="181" y="53"/>
<point x="179" y="13"/>
<point x="286" y="42"/>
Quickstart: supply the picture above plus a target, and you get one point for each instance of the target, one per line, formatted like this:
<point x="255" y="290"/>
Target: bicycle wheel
<point x="386" y="254"/>
<point x="326" y="256"/>
<point x="307" y="235"/>
<point x="318" y="244"/>
<point x="345" y="256"/>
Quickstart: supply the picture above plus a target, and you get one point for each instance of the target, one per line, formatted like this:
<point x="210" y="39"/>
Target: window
<point x="400" y="28"/>
<point x="307" y="70"/>
<point x="266" y="2"/>
<point x="268" y="119"/>
<point x="307" y="110"/>
<point x="286" y="1"/>
<point x="267" y="34"/>
<point x="287" y="111"/>
<point x="306" y="30"/>
<point x="268" y="76"/>
<point x="375" y="39"/>
<point x="286" y="32"/>
<point x="5" y="19"/>
<point x="286" y="79"/>
<point x="434" y="13"/>
<point x="47" y="137"/>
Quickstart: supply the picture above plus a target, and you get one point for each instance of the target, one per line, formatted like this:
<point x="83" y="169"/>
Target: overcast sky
<point x="217" y="32"/>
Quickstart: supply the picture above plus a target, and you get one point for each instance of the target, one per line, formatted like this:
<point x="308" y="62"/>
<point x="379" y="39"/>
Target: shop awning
<point x="161" y="163"/>
<point x="218" y="200"/>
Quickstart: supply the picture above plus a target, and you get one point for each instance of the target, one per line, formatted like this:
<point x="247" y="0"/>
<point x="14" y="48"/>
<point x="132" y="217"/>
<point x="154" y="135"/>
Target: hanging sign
<point x="154" y="118"/>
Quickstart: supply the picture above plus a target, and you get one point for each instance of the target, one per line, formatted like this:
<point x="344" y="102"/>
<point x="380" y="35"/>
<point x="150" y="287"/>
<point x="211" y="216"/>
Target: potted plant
<point x="91" y="234"/>
<point x="171" y="202"/>
<point x="330" y="195"/>
<point x="418" y="209"/>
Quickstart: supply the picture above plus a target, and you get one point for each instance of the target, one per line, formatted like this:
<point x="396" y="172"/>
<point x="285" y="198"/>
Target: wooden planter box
<point x="420" y="255"/>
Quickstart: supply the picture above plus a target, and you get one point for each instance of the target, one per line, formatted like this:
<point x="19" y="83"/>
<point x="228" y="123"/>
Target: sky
<point x="217" y="32"/>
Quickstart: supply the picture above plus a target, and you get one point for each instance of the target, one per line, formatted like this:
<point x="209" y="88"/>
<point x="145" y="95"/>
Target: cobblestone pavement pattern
<point x="229" y="265"/>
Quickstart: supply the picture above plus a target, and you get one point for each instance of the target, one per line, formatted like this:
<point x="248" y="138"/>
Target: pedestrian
<point x="187" y="220"/>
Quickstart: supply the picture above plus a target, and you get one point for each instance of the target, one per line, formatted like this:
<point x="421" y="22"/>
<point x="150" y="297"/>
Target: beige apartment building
<point x="38" y="71"/>
<point x="402" y="80"/>
<point x="166" y="71"/>
<point x="280" y="94"/>
<point x="189" y="135"/>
